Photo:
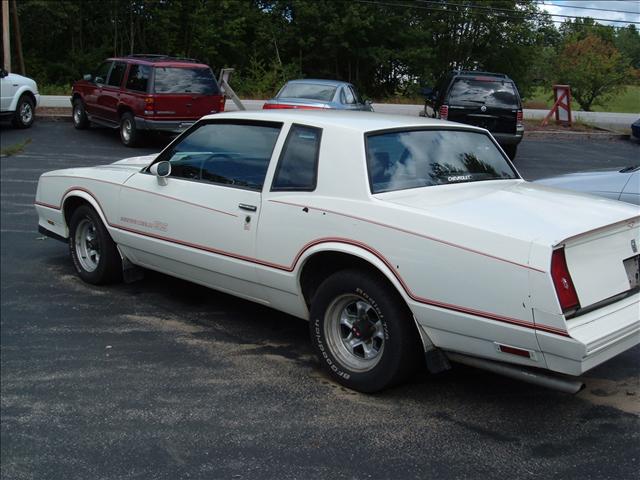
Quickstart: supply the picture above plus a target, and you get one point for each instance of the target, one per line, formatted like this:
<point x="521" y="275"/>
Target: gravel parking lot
<point x="163" y="379"/>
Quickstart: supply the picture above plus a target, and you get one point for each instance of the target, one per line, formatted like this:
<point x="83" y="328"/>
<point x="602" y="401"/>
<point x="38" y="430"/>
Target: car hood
<point x="141" y="161"/>
<point x="597" y="181"/>
<point x="20" y="80"/>
<point x="515" y="209"/>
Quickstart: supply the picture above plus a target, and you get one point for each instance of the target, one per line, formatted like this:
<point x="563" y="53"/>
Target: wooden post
<point x="6" y="44"/>
<point x="16" y="36"/>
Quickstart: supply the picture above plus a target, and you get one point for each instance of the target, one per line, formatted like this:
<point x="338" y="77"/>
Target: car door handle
<point x="250" y="208"/>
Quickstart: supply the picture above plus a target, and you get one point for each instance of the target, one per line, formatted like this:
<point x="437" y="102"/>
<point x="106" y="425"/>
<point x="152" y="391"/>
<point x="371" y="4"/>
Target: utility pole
<point x="16" y="36"/>
<point x="5" y="35"/>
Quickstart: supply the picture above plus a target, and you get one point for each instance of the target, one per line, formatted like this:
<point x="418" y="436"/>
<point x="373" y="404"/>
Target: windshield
<point x="423" y="158"/>
<point x="488" y="91"/>
<point x="185" y="80"/>
<point x="311" y="91"/>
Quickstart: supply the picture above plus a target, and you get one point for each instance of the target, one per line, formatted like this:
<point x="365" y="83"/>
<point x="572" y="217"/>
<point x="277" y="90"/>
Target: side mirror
<point x="99" y="80"/>
<point x="368" y="102"/>
<point x="88" y="77"/>
<point x="161" y="170"/>
<point x="3" y="73"/>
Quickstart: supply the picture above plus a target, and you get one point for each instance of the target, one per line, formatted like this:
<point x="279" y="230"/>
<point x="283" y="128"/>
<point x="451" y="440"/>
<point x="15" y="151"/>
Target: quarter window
<point x="138" y="78"/>
<point x="117" y="74"/>
<point x="298" y="164"/>
<point x="349" y="98"/>
<point x="234" y="154"/>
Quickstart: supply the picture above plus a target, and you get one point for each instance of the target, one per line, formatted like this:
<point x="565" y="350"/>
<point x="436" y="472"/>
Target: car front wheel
<point x="93" y="252"/>
<point x="80" y="119"/>
<point x="363" y="332"/>
<point x="25" y="112"/>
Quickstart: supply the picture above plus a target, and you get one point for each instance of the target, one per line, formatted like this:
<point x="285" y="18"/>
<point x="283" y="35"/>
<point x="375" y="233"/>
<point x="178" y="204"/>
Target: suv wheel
<point x="129" y="133"/>
<point x="80" y="119"/>
<point x="511" y="151"/>
<point x="25" y="112"/>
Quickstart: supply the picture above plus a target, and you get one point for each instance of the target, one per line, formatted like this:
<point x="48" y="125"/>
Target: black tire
<point x="399" y="355"/>
<point x="108" y="266"/>
<point x="25" y="112"/>
<point x="80" y="119"/>
<point x="511" y="151"/>
<point x="129" y="133"/>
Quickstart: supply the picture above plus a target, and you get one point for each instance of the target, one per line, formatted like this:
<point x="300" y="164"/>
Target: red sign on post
<point x="562" y="105"/>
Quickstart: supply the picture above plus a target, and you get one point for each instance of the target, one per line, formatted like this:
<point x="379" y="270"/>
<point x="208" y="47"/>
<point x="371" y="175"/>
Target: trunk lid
<point x="598" y="234"/>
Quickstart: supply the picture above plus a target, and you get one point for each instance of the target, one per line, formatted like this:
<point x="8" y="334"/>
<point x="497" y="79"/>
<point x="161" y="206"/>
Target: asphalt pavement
<point x="163" y="379"/>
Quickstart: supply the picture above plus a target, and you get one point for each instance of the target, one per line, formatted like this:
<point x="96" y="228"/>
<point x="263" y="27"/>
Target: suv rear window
<point x="493" y="92"/>
<point x="423" y="158"/>
<point x="185" y="80"/>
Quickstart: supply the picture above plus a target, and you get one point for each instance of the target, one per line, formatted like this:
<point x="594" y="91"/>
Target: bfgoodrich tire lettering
<point x="362" y="331"/>
<point x="94" y="254"/>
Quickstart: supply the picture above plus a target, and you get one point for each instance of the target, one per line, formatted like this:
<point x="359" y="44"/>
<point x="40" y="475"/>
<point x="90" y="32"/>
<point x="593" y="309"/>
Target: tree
<point x="594" y="68"/>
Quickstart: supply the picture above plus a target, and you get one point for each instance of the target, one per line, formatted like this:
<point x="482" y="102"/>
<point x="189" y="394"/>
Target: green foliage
<point x="594" y="68"/>
<point x="386" y="49"/>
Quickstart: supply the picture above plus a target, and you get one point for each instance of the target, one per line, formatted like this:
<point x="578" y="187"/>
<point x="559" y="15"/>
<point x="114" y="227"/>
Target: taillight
<point x="274" y="106"/>
<point x="562" y="281"/>
<point x="519" y="118"/>
<point x="149" y="106"/>
<point x="222" y="101"/>
<point x="444" y="112"/>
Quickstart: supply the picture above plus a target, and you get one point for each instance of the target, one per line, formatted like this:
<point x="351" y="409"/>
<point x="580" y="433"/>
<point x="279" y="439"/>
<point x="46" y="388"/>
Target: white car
<point x="19" y="98"/>
<point x="396" y="237"/>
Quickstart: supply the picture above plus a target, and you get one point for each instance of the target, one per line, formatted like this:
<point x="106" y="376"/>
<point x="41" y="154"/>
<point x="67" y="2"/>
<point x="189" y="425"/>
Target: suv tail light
<point x="519" y="118"/>
<point x="562" y="281"/>
<point x="149" y="106"/>
<point x="444" y="112"/>
<point x="222" y="102"/>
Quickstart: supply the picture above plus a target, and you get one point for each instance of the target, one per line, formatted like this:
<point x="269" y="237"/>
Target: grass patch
<point x="14" y="149"/>
<point x="626" y="101"/>
<point x="51" y="89"/>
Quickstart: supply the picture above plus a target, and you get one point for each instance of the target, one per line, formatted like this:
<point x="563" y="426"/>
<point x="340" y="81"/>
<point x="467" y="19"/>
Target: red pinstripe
<point x="307" y="246"/>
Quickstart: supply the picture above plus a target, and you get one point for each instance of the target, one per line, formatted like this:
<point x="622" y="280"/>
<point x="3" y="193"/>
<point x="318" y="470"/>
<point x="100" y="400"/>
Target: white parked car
<point x="19" y="98"/>
<point x="394" y="236"/>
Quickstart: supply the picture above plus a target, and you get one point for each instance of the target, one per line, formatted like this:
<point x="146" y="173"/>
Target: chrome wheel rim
<point x="126" y="130"/>
<point x="26" y="112"/>
<point x="354" y="332"/>
<point x="87" y="245"/>
<point x="77" y="114"/>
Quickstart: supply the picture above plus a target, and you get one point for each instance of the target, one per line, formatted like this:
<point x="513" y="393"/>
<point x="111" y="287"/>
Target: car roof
<point x="160" y="60"/>
<point x="356" y="121"/>
<point x="319" y="81"/>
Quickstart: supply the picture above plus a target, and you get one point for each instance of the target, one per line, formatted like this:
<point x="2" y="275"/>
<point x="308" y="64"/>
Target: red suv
<point x="146" y="92"/>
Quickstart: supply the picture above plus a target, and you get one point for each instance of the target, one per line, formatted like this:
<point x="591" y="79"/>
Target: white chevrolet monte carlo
<point x="400" y="239"/>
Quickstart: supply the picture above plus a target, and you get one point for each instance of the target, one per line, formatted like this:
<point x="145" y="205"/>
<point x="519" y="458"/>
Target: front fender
<point x="23" y="89"/>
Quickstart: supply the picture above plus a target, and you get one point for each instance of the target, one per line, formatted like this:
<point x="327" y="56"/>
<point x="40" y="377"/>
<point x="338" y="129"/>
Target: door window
<point x="138" y="78"/>
<point x="117" y="74"/>
<point x="298" y="164"/>
<point x="233" y="154"/>
<point x="102" y="73"/>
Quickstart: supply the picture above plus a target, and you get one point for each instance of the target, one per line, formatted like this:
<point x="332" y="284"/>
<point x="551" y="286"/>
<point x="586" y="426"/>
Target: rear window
<point x="310" y="91"/>
<point x="424" y="158"/>
<point x="185" y="80"/>
<point x="493" y="92"/>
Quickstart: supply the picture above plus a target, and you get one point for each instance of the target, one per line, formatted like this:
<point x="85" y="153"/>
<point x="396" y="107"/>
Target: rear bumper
<point x="595" y="337"/>
<point x="508" y="138"/>
<point x="173" y="126"/>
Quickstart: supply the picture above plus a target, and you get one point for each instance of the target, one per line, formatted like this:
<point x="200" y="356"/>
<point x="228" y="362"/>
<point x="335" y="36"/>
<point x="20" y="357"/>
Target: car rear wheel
<point x="129" y="133"/>
<point x="363" y="332"/>
<point x="80" y="119"/>
<point x="93" y="252"/>
<point x="25" y="112"/>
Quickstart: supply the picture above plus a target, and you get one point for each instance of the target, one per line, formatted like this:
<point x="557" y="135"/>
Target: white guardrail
<point x="600" y="119"/>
